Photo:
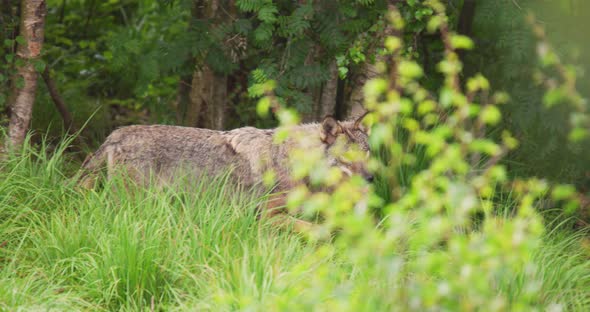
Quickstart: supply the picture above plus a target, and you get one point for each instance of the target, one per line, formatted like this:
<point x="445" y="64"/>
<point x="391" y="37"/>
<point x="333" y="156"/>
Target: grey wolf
<point x="158" y="153"/>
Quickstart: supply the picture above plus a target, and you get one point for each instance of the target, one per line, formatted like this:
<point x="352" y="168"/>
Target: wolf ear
<point x="329" y="130"/>
<point x="358" y="123"/>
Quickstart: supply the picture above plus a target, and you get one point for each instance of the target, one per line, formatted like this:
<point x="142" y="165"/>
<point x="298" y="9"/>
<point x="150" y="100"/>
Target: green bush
<point x="450" y="236"/>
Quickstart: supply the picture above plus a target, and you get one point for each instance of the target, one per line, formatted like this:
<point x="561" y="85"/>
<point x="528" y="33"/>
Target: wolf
<point x="159" y="153"/>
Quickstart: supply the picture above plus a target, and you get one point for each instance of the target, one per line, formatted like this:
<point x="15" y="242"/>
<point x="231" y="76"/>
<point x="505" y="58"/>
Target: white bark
<point x="32" y="30"/>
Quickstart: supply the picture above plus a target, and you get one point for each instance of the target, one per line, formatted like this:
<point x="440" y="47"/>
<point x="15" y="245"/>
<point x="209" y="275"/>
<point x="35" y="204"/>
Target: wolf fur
<point x="160" y="153"/>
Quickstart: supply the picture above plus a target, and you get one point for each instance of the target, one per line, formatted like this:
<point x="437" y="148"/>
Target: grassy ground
<point x="63" y="249"/>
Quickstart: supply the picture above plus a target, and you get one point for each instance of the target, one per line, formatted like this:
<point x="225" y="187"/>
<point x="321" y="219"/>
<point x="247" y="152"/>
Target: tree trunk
<point x="200" y="93"/>
<point x="59" y="102"/>
<point x="179" y="105"/>
<point x="217" y="107"/>
<point x="314" y="93"/>
<point x="208" y="97"/>
<point x="32" y="30"/>
<point x="355" y="104"/>
<point x="62" y="108"/>
<point x="329" y="93"/>
<point x="466" y="18"/>
<point x="466" y="22"/>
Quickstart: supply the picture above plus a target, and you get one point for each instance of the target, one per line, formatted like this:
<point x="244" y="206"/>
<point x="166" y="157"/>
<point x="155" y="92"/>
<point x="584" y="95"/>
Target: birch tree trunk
<point x="32" y="26"/>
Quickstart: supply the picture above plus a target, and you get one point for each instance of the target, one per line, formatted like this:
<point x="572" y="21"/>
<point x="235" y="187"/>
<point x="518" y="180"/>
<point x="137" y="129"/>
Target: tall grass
<point x="118" y="248"/>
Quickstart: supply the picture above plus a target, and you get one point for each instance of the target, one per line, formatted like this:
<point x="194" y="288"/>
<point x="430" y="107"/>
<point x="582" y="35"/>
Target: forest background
<point x="192" y="62"/>
<point x="106" y="64"/>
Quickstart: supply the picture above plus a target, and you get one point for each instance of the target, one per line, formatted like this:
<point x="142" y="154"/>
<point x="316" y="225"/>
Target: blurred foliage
<point x="504" y="45"/>
<point x="448" y="239"/>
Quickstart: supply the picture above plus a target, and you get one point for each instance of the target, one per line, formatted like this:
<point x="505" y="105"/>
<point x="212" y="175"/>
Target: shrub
<point x="454" y="228"/>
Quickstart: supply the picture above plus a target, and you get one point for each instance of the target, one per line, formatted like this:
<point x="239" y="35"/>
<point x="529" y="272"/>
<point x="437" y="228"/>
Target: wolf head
<point x="347" y="145"/>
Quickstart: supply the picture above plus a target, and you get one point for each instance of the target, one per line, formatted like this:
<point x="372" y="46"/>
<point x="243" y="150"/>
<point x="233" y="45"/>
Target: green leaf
<point x="342" y="72"/>
<point x="263" y="32"/>
<point x="381" y="134"/>
<point x="65" y="41"/>
<point x="39" y="65"/>
<point x="548" y="58"/>
<point x="477" y="83"/>
<point x="21" y="40"/>
<point x="485" y="146"/>
<point x="553" y="97"/>
<point x="461" y="42"/>
<point x="259" y="75"/>
<point x="501" y="98"/>
<point x="578" y="119"/>
<point x="426" y="107"/>
<point x="288" y="117"/>
<point x="578" y="134"/>
<point x="446" y="97"/>
<point x="563" y="191"/>
<point x="269" y="178"/>
<point x="410" y="69"/>
<point x="268" y="13"/>
<point x="256" y="90"/>
<point x="249" y="5"/>
<point x="133" y="46"/>
<point x="393" y="43"/>
<point x="263" y="107"/>
<point x="434" y="23"/>
<point x="375" y="87"/>
<point x="108" y="55"/>
<point x="571" y="206"/>
<point x="20" y="82"/>
<point x="281" y="135"/>
<point x="509" y="140"/>
<point x="411" y="124"/>
<point x="490" y="115"/>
